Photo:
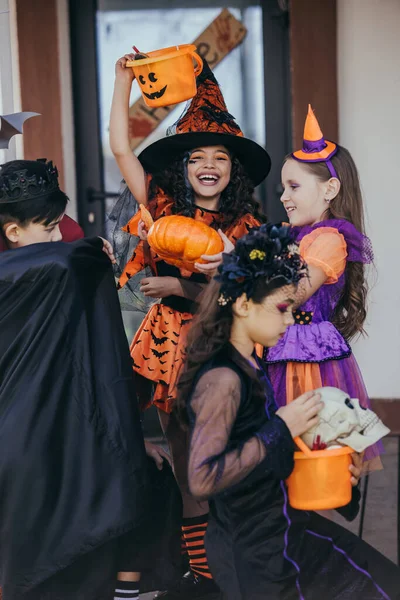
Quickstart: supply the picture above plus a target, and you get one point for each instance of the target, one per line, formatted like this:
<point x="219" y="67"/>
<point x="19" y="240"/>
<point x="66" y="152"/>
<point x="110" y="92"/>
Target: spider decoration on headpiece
<point x="268" y="252"/>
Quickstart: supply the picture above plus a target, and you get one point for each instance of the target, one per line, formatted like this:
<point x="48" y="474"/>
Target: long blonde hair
<point x="350" y="312"/>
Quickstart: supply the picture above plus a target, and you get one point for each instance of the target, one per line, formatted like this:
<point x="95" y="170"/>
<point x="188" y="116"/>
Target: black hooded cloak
<point x="73" y="469"/>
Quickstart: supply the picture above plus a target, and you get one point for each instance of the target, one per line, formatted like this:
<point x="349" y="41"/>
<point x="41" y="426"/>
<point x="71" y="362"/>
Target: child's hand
<point x="142" y="232"/>
<point x="157" y="454"/>
<point x="214" y="260"/>
<point x="301" y="414"/>
<point x="123" y="73"/>
<point x="356" y="468"/>
<point x="108" y="249"/>
<point x="158" y="287"/>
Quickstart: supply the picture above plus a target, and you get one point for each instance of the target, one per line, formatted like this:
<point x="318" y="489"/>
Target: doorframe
<point x="277" y="93"/>
<point x="88" y="150"/>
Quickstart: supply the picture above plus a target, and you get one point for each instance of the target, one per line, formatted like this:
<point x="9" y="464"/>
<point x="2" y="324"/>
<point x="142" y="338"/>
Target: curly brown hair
<point x="350" y="312"/>
<point x="236" y="200"/>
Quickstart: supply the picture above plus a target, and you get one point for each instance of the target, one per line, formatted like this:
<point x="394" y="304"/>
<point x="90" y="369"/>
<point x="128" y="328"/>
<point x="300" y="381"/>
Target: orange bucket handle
<point x="199" y="63"/>
<point x="303" y="447"/>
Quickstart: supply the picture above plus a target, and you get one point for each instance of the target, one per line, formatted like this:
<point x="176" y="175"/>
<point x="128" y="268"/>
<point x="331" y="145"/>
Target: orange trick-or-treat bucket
<point x="168" y="76"/>
<point x="320" y="479"/>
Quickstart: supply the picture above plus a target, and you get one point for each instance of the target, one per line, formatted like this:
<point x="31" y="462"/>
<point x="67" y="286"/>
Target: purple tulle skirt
<point x="343" y="374"/>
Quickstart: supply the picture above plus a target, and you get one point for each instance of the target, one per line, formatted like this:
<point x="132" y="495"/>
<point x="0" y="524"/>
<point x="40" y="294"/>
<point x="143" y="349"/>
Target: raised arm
<point x="129" y="165"/>
<point x="212" y="468"/>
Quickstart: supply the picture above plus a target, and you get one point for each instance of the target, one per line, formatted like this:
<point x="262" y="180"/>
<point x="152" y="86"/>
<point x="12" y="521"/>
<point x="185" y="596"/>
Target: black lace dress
<point x="258" y="547"/>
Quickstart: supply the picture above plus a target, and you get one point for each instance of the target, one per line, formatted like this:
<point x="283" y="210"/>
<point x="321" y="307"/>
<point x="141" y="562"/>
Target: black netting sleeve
<point x="212" y="467"/>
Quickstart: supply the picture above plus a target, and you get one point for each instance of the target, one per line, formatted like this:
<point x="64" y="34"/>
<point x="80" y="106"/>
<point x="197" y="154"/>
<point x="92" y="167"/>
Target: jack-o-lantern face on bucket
<point x="168" y="76"/>
<point x="149" y="84"/>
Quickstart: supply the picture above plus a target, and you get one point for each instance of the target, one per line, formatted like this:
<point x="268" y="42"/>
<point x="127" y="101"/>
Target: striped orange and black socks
<point x="194" y="530"/>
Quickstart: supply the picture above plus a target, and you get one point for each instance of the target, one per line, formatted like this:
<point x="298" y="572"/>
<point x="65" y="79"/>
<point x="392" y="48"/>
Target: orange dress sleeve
<point x="160" y="206"/>
<point x="325" y="248"/>
<point x="243" y="226"/>
<point x="136" y="264"/>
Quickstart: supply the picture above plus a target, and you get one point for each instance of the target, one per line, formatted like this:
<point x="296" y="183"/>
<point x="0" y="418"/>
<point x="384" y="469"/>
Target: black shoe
<point x="192" y="587"/>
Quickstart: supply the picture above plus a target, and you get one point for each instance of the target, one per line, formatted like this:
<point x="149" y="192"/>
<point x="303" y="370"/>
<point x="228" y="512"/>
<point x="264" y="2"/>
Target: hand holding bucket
<point x="168" y="76"/>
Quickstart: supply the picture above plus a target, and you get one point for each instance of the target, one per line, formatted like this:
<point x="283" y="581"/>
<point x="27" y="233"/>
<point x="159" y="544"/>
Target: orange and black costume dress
<point x="158" y="347"/>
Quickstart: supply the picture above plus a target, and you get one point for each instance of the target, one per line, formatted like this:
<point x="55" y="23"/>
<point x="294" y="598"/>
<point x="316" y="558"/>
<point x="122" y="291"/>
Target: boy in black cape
<point x="75" y="502"/>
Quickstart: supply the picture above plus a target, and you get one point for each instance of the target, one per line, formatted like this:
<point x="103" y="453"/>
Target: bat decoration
<point x="163" y="362"/>
<point x="11" y="125"/>
<point x="145" y="358"/>
<point x="163" y="372"/>
<point x="159" y="354"/>
<point x="164" y="332"/>
<point x="174" y="343"/>
<point x="150" y="369"/>
<point x="158" y="341"/>
<point x="175" y="334"/>
<point x="135" y="365"/>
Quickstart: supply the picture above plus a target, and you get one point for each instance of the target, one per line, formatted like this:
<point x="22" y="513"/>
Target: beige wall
<point x="67" y="121"/>
<point x="369" y="126"/>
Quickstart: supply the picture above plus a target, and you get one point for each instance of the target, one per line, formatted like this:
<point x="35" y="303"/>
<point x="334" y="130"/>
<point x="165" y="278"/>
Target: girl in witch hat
<point x="242" y="447"/>
<point x="323" y="201"/>
<point x="207" y="170"/>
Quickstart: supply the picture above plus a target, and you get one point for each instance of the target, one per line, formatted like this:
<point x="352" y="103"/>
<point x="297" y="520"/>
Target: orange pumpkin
<point x="180" y="241"/>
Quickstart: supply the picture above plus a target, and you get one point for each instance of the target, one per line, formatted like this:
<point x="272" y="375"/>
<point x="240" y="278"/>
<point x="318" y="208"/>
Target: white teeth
<point x="208" y="178"/>
<point x="291" y="209"/>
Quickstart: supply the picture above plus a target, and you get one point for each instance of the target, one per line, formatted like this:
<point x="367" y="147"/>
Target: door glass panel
<point x="240" y="73"/>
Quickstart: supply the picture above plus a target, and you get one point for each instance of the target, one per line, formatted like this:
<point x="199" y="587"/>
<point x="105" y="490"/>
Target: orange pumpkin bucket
<point x="168" y="76"/>
<point x="320" y="479"/>
<point x="180" y="241"/>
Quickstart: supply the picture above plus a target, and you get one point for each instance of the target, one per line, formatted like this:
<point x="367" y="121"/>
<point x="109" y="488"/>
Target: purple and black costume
<point x="258" y="547"/>
<point x="313" y="353"/>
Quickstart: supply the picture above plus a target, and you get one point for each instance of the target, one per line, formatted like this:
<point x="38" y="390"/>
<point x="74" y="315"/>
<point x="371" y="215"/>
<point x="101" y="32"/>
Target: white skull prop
<point x="343" y="421"/>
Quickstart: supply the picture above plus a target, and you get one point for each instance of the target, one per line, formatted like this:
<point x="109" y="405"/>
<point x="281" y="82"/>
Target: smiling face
<point x="209" y="171"/>
<point x="304" y="195"/>
<point x="149" y="87"/>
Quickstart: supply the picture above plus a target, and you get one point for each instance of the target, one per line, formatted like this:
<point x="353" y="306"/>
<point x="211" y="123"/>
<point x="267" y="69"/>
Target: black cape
<point x="72" y="462"/>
